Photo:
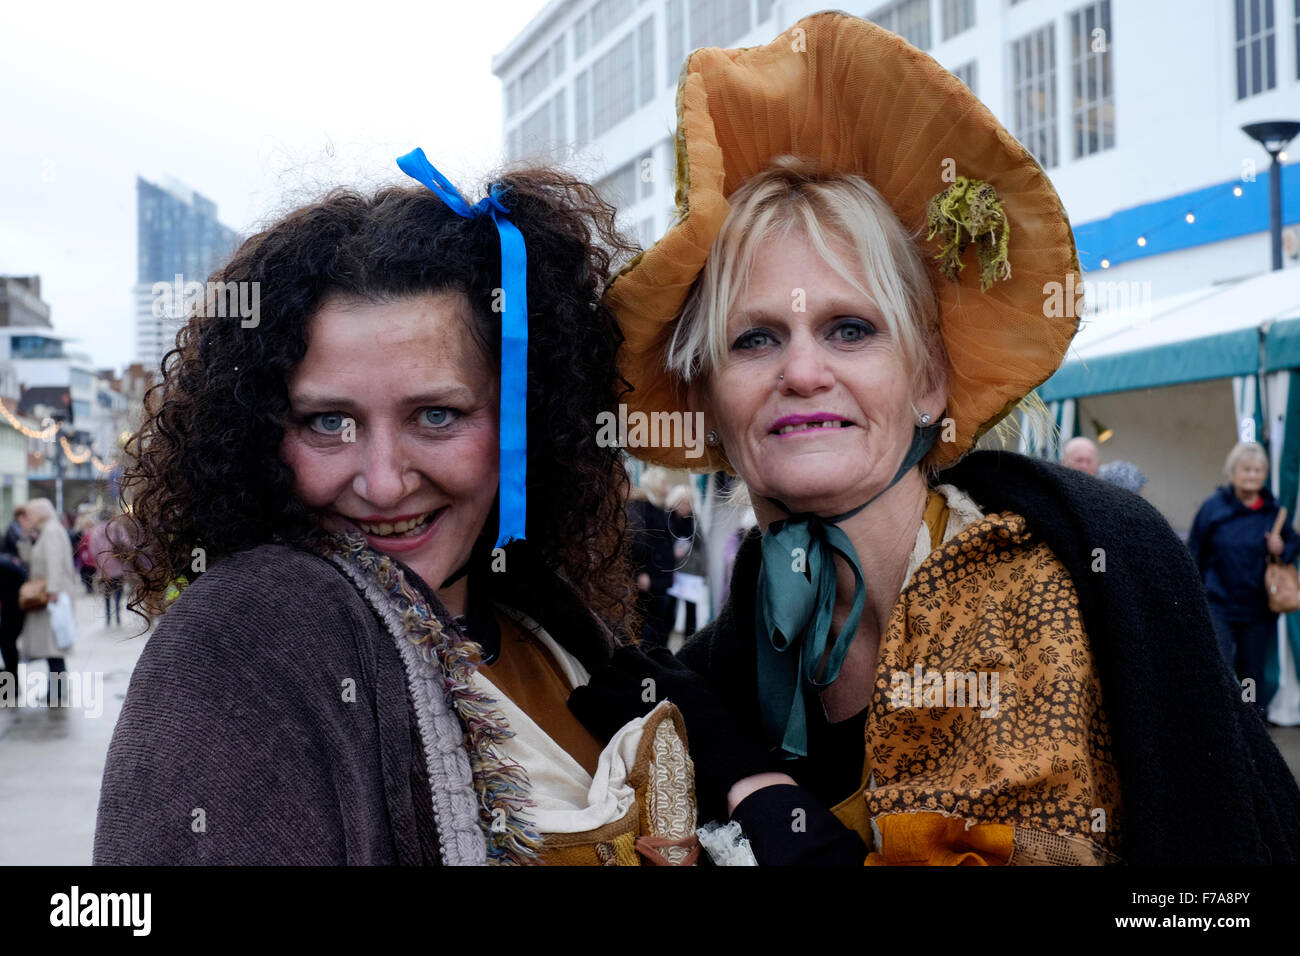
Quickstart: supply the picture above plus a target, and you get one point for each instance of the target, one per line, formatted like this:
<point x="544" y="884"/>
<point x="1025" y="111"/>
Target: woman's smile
<point x="818" y="423"/>
<point x="397" y="534"/>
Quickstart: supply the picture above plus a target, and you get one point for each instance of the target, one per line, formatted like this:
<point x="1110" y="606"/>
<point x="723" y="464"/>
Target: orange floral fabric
<point x="1030" y="777"/>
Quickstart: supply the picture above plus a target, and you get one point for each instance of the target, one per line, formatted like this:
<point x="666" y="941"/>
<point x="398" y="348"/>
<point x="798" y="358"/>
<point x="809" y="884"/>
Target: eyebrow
<point x="454" y="394"/>
<point x="833" y="307"/>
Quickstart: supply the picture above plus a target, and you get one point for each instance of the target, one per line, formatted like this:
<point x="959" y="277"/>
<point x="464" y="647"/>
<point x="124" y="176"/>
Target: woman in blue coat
<point x="1231" y="540"/>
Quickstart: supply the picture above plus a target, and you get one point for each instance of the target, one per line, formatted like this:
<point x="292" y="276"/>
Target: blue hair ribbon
<point x="513" y="456"/>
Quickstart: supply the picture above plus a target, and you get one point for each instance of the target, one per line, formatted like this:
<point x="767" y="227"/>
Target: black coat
<point x="652" y="544"/>
<point x="1201" y="781"/>
<point x="1227" y="541"/>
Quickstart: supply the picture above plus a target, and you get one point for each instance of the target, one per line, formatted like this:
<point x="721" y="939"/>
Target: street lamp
<point x="1273" y="136"/>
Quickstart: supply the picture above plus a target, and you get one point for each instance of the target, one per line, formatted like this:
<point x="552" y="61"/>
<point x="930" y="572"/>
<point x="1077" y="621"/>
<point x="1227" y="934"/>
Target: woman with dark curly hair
<point x="368" y="661"/>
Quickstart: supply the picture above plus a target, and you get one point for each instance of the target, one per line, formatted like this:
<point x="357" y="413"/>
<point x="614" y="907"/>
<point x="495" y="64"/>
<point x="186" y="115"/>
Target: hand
<point x="630" y="686"/>
<point x="643" y="581"/>
<point x="1275" y="544"/>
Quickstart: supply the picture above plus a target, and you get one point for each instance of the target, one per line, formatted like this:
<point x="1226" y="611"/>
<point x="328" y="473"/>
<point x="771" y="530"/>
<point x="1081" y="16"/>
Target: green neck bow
<point x="796" y="597"/>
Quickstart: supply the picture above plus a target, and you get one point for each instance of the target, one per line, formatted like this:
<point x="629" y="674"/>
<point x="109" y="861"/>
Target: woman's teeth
<point x="787" y="429"/>
<point x="385" y="529"/>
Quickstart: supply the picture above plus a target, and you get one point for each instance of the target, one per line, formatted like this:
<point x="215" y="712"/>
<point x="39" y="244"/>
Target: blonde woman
<point x="52" y="563"/>
<point x="1232" y="539"/>
<point x="929" y="654"/>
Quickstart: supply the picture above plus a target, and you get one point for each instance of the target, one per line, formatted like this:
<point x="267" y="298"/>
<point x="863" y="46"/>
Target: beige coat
<point x="51" y="560"/>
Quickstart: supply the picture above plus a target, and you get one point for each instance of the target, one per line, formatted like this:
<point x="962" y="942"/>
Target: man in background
<point x="1081" y="455"/>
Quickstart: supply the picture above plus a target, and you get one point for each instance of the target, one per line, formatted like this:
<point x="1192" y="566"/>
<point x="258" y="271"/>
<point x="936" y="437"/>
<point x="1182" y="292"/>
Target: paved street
<point x="51" y="761"/>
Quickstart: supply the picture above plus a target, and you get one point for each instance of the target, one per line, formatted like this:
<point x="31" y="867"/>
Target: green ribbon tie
<point x="796" y="598"/>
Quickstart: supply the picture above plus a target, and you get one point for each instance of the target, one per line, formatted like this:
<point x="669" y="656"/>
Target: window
<point x="1094" y="98"/>
<point x="1033" y="93"/>
<point x="1255" y="50"/>
<point x="557" y="56"/>
<point x="646" y="42"/>
<point x="580" y="36"/>
<point x="512" y="97"/>
<point x="580" y="112"/>
<point x="647" y="172"/>
<point x="34" y="346"/>
<point x="718" y="22"/>
<point x="613" y="85"/>
<point x="764" y="10"/>
<point x="535" y="131"/>
<point x="958" y="17"/>
<point x="607" y="16"/>
<point x="968" y="73"/>
<point x="675" y="13"/>
<point x="910" y="19"/>
<point x="559" y="128"/>
<point x="534" y="79"/>
<point x="619" y="187"/>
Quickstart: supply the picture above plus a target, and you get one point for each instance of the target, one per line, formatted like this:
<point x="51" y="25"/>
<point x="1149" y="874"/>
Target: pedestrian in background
<point x="652" y="557"/>
<point x="51" y="562"/>
<point x="13" y="572"/>
<point x="15" y="533"/>
<point x="83" y="557"/>
<point x="1231" y="540"/>
<point x="12" y="575"/>
<point x="1081" y="454"/>
<point x="1125" y="474"/>
<point x="691" y="554"/>
<point x="105" y="540"/>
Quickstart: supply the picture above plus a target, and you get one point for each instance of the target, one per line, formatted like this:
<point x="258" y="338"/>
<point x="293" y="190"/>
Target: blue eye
<point x="752" y="339"/>
<point x="854" y="330"/>
<point x="328" y="422"/>
<point x="436" y="417"/>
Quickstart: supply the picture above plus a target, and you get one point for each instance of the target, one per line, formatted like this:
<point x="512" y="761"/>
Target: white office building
<point x="1134" y="108"/>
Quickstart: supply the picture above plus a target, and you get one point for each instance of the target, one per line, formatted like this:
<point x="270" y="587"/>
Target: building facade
<point x="21" y="302"/>
<point x="179" y="235"/>
<point x="1133" y="107"/>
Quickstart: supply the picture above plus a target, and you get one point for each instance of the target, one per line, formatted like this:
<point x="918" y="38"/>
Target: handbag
<point x="32" y="595"/>
<point x="63" y="622"/>
<point x="1282" y="581"/>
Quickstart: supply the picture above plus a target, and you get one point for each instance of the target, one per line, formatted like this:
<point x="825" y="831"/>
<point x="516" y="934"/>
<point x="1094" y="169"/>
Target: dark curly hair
<point x="205" y="469"/>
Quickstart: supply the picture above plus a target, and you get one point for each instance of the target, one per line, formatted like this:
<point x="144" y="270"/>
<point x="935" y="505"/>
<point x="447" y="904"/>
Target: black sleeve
<point x="681" y="527"/>
<point x="787" y="826"/>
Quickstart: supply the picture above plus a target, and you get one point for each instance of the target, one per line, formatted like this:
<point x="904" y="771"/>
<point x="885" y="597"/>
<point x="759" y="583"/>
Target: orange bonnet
<point x="852" y="97"/>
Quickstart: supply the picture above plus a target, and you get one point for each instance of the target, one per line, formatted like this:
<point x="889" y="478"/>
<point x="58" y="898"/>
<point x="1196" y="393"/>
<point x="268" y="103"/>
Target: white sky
<point x="257" y="105"/>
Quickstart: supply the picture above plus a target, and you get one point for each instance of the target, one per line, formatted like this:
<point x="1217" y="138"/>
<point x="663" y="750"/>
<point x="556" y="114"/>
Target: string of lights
<point x="79" y="456"/>
<point x="44" y="434"/>
<point x="1187" y="217"/>
<point x="76" y="457"/>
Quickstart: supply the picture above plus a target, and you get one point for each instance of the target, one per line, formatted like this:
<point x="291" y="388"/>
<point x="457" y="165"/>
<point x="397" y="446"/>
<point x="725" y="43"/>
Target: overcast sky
<point x="257" y="105"/>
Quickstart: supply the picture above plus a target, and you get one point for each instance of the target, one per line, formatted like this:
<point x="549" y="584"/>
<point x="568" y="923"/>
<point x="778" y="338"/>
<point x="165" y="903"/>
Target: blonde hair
<point x="656" y="481"/>
<point x="1240" y="452"/>
<point x="40" y="510"/>
<point x="791" y="196"/>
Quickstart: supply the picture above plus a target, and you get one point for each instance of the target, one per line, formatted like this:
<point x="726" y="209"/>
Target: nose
<point x="384" y="476"/>
<point x="805" y="367"/>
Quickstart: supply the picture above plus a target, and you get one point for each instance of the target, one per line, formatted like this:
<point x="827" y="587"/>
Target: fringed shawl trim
<point x="480" y="799"/>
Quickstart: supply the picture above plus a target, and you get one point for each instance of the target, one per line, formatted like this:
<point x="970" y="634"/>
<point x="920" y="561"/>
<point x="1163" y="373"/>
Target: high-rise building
<point x="1133" y="107"/>
<point x="178" y="235"/>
